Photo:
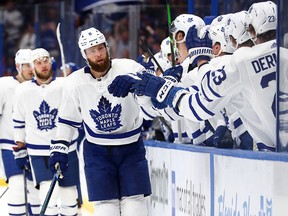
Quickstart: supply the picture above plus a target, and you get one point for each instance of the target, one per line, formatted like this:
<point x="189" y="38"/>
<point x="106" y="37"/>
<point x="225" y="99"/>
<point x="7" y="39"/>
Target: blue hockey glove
<point x="174" y="72"/>
<point x="58" y="156"/>
<point x="219" y="134"/>
<point x="246" y="141"/>
<point x="223" y="138"/>
<point x="121" y="85"/>
<point x="152" y="86"/>
<point x="21" y="157"/>
<point x="199" y="48"/>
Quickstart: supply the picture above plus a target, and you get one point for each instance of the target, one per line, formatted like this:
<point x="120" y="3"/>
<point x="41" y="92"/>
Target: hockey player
<point x="223" y="29"/>
<point x="35" y="116"/>
<point x="196" y="133"/>
<point x="116" y="169"/>
<point x="252" y="71"/>
<point x="14" y="174"/>
<point x="70" y="68"/>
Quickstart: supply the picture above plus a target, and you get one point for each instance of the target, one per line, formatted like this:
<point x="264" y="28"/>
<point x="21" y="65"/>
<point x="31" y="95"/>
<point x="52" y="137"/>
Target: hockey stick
<point x="4" y="192"/>
<point x="61" y="49"/>
<point x="170" y="35"/>
<point x="146" y="49"/>
<point x="179" y="130"/>
<point x="25" y="191"/>
<point x="57" y="175"/>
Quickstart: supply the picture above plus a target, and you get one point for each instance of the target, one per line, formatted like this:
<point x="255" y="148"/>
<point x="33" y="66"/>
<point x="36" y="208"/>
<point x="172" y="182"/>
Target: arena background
<point x="124" y="23"/>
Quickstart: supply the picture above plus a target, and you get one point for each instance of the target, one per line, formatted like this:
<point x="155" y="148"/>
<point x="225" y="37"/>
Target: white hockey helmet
<point x="220" y="20"/>
<point x="39" y="53"/>
<point x="89" y="38"/>
<point x="217" y="34"/>
<point x="183" y="22"/>
<point x="262" y="16"/>
<point x="23" y="56"/>
<point x="166" y="49"/>
<point x="236" y="27"/>
<point x="163" y="62"/>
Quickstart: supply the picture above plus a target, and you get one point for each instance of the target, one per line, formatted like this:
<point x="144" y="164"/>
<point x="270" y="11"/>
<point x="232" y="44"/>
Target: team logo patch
<point x="45" y="118"/>
<point x="107" y="119"/>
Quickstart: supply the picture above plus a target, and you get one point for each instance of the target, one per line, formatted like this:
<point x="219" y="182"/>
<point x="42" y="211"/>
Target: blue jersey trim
<point x="184" y="135"/>
<point x="18" y="121"/>
<point x="193" y="110"/>
<point x="237" y="123"/>
<point x="6" y="141"/>
<point x="42" y="146"/>
<point x="144" y="111"/>
<point x="202" y="106"/>
<point x="113" y="136"/>
<point x="198" y="133"/>
<point x="23" y="126"/>
<point x="209" y="87"/>
<point x="71" y="123"/>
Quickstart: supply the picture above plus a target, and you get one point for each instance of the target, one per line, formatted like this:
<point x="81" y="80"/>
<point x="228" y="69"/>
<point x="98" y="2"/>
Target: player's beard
<point x="43" y="76"/>
<point x="102" y="67"/>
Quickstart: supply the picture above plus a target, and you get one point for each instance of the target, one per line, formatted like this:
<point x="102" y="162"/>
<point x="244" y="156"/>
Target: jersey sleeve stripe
<point x="146" y="113"/>
<point x="193" y="110"/>
<point x="198" y="133"/>
<point x="184" y="135"/>
<point x="71" y="123"/>
<point x="202" y="106"/>
<point x="18" y="121"/>
<point x="7" y="141"/>
<point x="207" y="76"/>
<point x="22" y="126"/>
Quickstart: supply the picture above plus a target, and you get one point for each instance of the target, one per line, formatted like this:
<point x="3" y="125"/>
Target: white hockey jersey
<point x="251" y="71"/>
<point x="35" y="115"/>
<point x="7" y="90"/>
<point x="107" y="120"/>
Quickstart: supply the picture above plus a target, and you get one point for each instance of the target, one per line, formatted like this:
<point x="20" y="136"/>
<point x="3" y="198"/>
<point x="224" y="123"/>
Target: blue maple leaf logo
<point x="45" y="118"/>
<point x="107" y="119"/>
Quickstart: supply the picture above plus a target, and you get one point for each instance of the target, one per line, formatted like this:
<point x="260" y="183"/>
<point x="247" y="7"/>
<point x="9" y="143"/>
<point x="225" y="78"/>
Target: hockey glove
<point x="219" y="134"/>
<point x="223" y="138"/>
<point x="121" y="85"/>
<point x="58" y="156"/>
<point x="21" y="157"/>
<point x="199" y="48"/>
<point x="174" y="73"/>
<point x="157" y="104"/>
<point x="246" y="141"/>
<point x="152" y="86"/>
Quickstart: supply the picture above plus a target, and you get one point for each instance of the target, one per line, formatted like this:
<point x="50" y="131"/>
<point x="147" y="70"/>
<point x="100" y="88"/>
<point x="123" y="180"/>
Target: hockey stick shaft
<point x="170" y="35"/>
<point x="25" y="191"/>
<point x="146" y="48"/>
<point x="49" y="193"/>
<point x="4" y="192"/>
<point x="61" y="49"/>
<point x="179" y="130"/>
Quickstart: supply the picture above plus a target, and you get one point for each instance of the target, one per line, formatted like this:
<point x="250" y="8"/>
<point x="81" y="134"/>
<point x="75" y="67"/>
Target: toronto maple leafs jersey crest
<point x="7" y="89"/>
<point x="107" y="120"/>
<point x="45" y="116"/>
<point x="35" y="114"/>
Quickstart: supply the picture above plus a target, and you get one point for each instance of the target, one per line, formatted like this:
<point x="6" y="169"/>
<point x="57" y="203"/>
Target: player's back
<point x="7" y="87"/>
<point x="257" y="70"/>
